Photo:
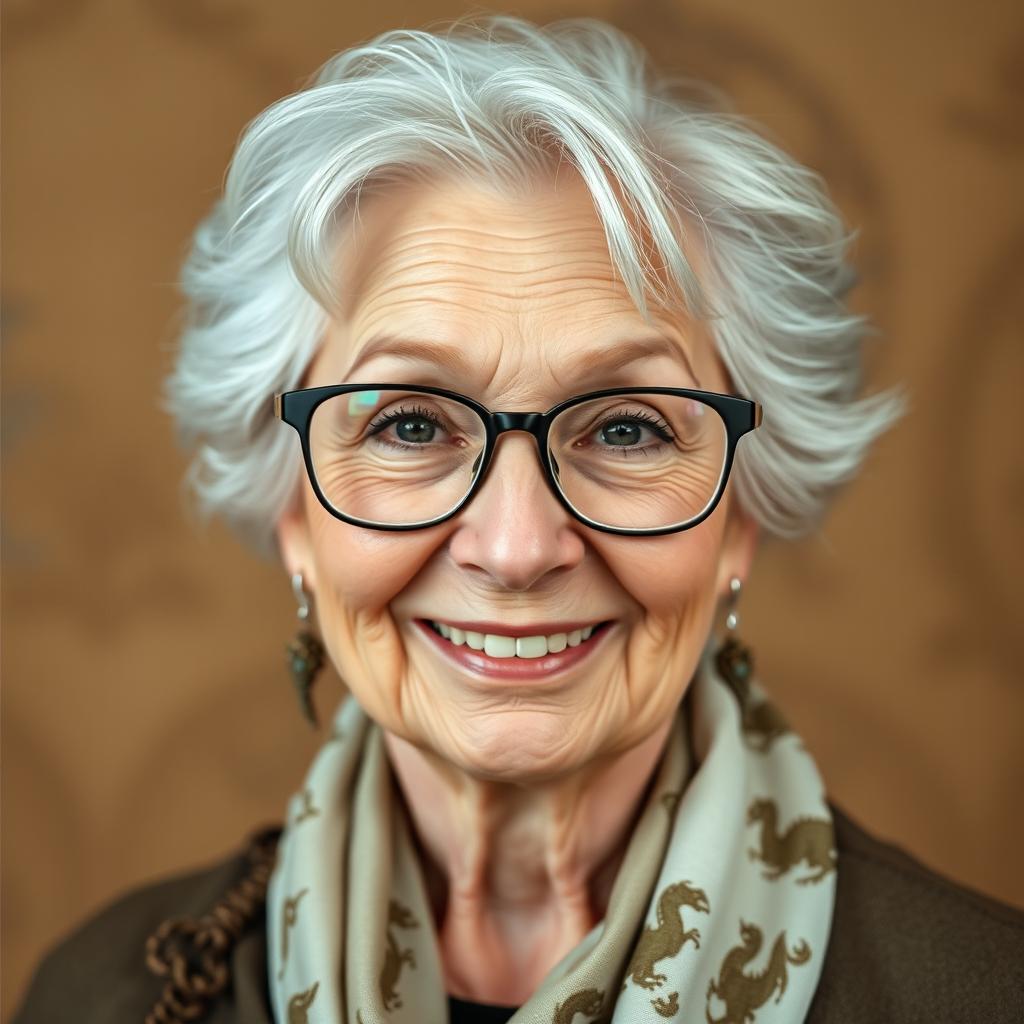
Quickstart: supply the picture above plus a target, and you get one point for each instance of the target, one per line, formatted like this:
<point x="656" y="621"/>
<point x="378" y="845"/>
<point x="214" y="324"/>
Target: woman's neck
<point x="518" y="875"/>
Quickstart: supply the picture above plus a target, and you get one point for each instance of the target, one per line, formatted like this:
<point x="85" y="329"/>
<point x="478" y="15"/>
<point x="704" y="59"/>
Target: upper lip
<point x="530" y="629"/>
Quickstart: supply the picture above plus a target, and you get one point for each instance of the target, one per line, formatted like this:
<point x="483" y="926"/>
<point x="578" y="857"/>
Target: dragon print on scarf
<point x="742" y="993"/>
<point x="806" y="839"/>
<point x="395" y="957"/>
<point x="669" y="936"/>
<point x="299" y="1004"/>
<point x="288" y="919"/>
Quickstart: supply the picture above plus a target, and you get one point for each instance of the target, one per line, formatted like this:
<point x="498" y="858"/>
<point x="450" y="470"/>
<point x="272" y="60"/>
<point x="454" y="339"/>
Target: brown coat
<point x="906" y="945"/>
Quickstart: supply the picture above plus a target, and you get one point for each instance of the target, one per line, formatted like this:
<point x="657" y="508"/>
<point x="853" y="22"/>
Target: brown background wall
<point x="148" y="722"/>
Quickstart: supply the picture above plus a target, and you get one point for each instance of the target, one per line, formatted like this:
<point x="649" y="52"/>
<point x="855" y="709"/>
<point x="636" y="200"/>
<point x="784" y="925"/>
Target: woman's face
<point x="515" y="303"/>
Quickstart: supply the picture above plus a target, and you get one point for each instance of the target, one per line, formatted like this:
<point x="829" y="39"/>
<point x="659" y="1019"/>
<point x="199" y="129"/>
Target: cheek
<point x="358" y="573"/>
<point x="671" y="578"/>
<point x="673" y="581"/>
<point x="363" y="569"/>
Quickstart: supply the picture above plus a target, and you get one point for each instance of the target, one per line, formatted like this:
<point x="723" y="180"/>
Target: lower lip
<point x="522" y="669"/>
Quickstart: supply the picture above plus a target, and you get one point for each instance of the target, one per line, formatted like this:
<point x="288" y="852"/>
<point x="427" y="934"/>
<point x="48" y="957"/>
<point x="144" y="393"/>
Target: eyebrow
<point x="610" y="357"/>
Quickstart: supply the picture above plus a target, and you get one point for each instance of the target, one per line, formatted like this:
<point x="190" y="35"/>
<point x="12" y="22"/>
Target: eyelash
<point x="378" y="426"/>
<point x="655" y="424"/>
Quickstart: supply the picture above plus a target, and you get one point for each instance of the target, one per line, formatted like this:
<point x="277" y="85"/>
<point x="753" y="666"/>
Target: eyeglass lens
<point x="400" y="458"/>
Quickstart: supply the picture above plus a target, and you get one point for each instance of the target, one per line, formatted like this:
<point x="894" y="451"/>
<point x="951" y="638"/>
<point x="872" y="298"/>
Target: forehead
<point x="451" y="236"/>
<point x="518" y="285"/>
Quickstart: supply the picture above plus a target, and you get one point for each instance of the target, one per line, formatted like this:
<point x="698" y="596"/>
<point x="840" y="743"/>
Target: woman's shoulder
<point x="907" y="943"/>
<point x="98" y="972"/>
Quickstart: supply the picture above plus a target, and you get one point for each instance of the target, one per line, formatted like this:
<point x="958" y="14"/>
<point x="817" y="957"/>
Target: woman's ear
<point x="293" y="541"/>
<point x="739" y="544"/>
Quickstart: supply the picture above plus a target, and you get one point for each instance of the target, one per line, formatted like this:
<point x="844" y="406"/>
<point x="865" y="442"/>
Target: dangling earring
<point x="305" y="654"/>
<point x="734" y="661"/>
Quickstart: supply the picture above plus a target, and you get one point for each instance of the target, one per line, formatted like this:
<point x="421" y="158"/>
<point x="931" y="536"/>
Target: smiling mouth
<point x="503" y="646"/>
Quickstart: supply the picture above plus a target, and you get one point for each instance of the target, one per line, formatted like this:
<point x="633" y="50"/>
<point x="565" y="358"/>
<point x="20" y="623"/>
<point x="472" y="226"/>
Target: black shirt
<point x="462" y="1012"/>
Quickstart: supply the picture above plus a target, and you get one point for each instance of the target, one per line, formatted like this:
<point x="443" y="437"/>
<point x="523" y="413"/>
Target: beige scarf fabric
<point x="720" y="911"/>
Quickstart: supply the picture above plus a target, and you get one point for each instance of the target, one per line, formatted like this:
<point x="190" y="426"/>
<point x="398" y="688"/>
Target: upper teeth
<point x="497" y="646"/>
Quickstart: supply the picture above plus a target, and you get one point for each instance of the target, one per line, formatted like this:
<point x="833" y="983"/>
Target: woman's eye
<point x="410" y="428"/>
<point x="415" y="430"/>
<point x="621" y="432"/>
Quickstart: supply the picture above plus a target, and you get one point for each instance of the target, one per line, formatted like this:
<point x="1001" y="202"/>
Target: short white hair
<point x="501" y="99"/>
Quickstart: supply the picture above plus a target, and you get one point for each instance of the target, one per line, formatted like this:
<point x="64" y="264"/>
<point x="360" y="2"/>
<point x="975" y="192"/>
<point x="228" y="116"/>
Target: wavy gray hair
<point x="500" y="98"/>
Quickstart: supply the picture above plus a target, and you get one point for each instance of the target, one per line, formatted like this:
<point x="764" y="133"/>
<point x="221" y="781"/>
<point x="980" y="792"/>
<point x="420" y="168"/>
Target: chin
<point x="518" y="746"/>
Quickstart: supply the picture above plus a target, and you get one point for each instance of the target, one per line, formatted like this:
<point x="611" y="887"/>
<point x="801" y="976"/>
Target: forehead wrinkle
<point x="594" y="247"/>
<point x="444" y="250"/>
<point x="435" y="232"/>
<point x="474" y="307"/>
<point x="516" y="335"/>
<point x="464" y="269"/>
<point x="546" y="287"/>
<point x="589" y="364"/>
<point x="556" y="220"/>
<point x="446" y="257"/>
<point x="587" y="272"/>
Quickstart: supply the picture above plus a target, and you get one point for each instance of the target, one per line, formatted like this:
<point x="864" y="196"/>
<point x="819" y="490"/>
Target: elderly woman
<point x="510" y="355"/>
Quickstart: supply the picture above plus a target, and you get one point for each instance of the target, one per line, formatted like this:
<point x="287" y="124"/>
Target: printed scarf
<point x="720" y="910"/>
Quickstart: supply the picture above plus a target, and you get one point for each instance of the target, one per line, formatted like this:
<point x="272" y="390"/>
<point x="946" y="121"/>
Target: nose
<point x="514" y="529"/>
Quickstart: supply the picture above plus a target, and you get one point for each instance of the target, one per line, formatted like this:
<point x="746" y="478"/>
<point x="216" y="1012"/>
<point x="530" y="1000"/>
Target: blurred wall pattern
<point x="148" y="720"/>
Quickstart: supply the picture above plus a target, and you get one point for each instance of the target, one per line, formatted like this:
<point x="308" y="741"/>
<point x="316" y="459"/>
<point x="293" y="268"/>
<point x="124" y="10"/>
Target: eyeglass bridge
<point x="531" y="422"/>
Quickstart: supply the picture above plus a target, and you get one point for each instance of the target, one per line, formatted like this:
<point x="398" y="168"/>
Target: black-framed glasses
<point x="636" y="461"/>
